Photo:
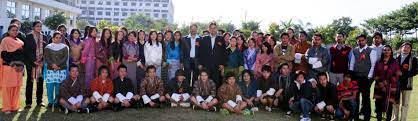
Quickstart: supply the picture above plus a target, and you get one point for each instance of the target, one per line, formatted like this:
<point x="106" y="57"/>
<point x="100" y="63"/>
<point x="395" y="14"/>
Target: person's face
<point x="57" y="38"/>
<point x="339" y="38"/>
<point x="377" y="40"/>
<point x="180" y="78"/>
<point x="125" y="33"/>
<point x="266" y="74"/>
<point x="74" y="72"/>
<point x="141" y="35"/>
<point x="193" y="29"/>
<point x="290" y="32"/>
<point x="122" y="72"/>
<point x="251" y="44"/>
<point x="120" y="36"/>
<point x="231" y="80"/>
<point x="160" y="37"/>
<point x="204" y="76"/>
<point x="13" y="32"/>
<point x="236" y="33"/>
<point x="285" y="70"/>
<point x="406" y="49"/>
<point x="38" y="27"/>
<point x="104" y="73"/>
<point x="93" y="33"/>
<point x="387" y="51"/>
<point x="76" y="35"/>
<point x="151" y="73"/>
<point x="177" y="36"/>
<point x="285" y="40"/>
<point x="17" y="23"/>
<point x="240" y="41"/>
<point x="300" y="78"/>
<point x="153" y="36"/>
<point x="63" y="30"/>
<point x="361" y="41"/>
<point x="264" y="48"/>
<point x="131" y="38"/>
<point x="213" y="29"/>
<point x="247" y="77"/>
<point x="167" y="36"/>
<point x="227" y="37"/>
<point x="107" y="34"/>
<point x="302" y="37"/>
<point x="317" y="41"/>
<point x="346" y="78"/>
<point x="323" y="80"/>
<point x="233" y="42"/>
<point x="254" y="35"/>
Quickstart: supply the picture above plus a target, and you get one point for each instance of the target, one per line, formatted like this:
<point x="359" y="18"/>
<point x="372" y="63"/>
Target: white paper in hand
<point x="146" y="99"/>
<point x="72" y="100"/>
<point x="298" y="57"/>
<point x="321" y="105"/>
<point x="271" y="91"/>
<point x="312" y="60"/>
<point x="318" y="64"/>
<point x="231" y="103"/>
<point x="156" y="96"/>
<point x="259" y="93"/>
<point x="209" y="99"/>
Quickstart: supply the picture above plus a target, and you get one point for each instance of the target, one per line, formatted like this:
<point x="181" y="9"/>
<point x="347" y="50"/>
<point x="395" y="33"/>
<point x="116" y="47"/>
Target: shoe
<point x="185" y="105"/>
<point x="66" y="111"/>
<point x="305" y="119"/>
<point x="7" y="112"/>
<point x="254" y="109"/>
<point x="213" y="109"/>
<point x="247" y="112"/>
<point x="27" y="107"/>
<point x="193" y="107"/>
<point x="288" y="113"/>
<point x="49" y="105"/>
<point x="40" y="105"/>
<point x="174" y="105"/>
<point x="84" y="110"/>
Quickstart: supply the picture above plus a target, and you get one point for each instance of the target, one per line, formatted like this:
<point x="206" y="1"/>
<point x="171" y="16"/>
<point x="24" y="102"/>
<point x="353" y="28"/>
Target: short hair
<point x="236" y="30"/>
<point x="150" y="67"/>
<point x="122" y="66"/>
<point x="221" y="30"/>
<point x="266" y="68"/>
<point x="204" y="71"/>
<point x="291" y="29"/>
<point x="361" y="36"/>
<point x="61" y="26"/>
<point x="56" y="33"/>
<point x="341" y="33"/>
<point x="212" y="24"/>
<point x="347" y="75"/>
<point x="282" y="65"/>
<point x="322" y="74"/>
<point x="246" y="71"/>
<point x="284" y="34"/>
<point x="36" y="22"/>
<point x="12" y="26"/>
<point x="73" y="66"/>
<point x="229" y="74"/>
<point x="319" y="35"/>
<point x="204" y="31"/>
<point x="103" y="67"/>
<point x="180" y="72"/>
<point x="378" y="34"/>
<point x="300" y="73"/>
<point x="14" y="20"/>
<point x="304" y="33"/>
<point x="191" y="25"/>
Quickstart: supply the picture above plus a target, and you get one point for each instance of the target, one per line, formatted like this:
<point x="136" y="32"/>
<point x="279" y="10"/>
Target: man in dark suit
<point x="33" y="48"/>
<point x="212" y="54"/>
<point x="189" y="54"/>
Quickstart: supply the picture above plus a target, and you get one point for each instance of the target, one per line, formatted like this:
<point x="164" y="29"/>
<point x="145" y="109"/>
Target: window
<point x="37" y="13"/>
<point x="156" y="5"/>
<point x="156" y="10"/>
<point x="91" y="13"/>
<point x="116" y="3"/>
<point x="132" y="14"/>
<point x="124" y="14"/>
<point x="133" y="4"/>
<point x="99" y="13"/>
<point x="115" y="23"/>
<point x="165" y="5"/>
<point x="47" y="12"/>
<point x="116" y="13"/>
<point x="147" y="4"/>
<point x="11" y="9"/>
<point x="92" y="2"/>
<point x="148" y="14"/>
<point x="100" y="3"/>
<point x="164" y="11"/>
<point x="140" y="4"/>
<point x="25" y="11"/>
<point x="107" y="13"/>
<point x="125" y="3"/>
<point x="83" y="12"/>
<point x="108" y="3"/>
<point x="164" y="16"/>
<point x="156" y="15"/>
<point x="83" y="2"/>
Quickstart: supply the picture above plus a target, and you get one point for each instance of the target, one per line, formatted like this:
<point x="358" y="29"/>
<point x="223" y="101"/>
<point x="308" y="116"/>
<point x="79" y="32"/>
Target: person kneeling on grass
<point x="248" y="89"/>
<point x="230" y="95"/>
<point x="73" y="93"/>
<point x="301" y="96"/>
<point x="178" y="91"/>
<point x="152" y="89"/>
<point x="347" y="93"/>
<point x="266" y="88"/>
<point x="204" y="92"/>
<point x="327" y="99"/>
<point x="123" y="90"/>
<point x="102" y="88"/>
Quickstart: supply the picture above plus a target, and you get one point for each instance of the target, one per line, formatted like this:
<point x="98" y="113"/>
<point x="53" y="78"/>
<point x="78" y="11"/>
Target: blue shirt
<point x="173" y="53"/>
<point x="248" y="91"/>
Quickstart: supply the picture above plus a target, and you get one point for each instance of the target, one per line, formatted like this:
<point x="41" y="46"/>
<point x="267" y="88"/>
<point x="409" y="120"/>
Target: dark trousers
<point x="29" y="87"/>
<point x="364" y="89"/>
<point x="191" y="71"/>
<point x="215" y="75"/>
<point x="380" y="107"/>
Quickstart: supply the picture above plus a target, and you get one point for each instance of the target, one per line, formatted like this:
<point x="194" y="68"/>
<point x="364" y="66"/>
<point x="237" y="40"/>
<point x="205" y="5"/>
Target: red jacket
<point x="102" y="86"/>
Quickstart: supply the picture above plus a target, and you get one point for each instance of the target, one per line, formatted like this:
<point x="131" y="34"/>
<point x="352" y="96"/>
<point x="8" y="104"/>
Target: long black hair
<point x="391" y="59"/>
<point x="86" y="32"/>
<point x="172" y="43"/>
<point x="103" y="41"/>
<point x="73" y="31"/>
<point x="149" y="37"/>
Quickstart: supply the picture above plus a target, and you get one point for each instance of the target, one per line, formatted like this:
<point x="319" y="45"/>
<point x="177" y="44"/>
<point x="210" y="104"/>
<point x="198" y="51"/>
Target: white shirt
<point x="373" y="59"/>
<point x="192" y="45"/>
<point x="379" y="50"/>
<point x="153" y="54"/>
<point x="212" y="39"/>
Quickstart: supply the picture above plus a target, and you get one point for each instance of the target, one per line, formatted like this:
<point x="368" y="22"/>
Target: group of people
<point x="219" y="70"/>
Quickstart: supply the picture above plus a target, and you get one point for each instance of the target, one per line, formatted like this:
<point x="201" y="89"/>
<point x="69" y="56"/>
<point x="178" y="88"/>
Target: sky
<point x="317" y="12"/>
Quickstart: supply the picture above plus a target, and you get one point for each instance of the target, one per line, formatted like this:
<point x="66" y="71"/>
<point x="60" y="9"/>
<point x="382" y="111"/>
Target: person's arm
<point x="373" y="59"/>
<point x="289" y="57"/>
<point x="86" y="49"/>
<point x="160" y="88"/>
<point x="196" y="90"/>
<point x="48" y="57"/>
<point x="221" y="93"/>
<point x="64" y="92"/>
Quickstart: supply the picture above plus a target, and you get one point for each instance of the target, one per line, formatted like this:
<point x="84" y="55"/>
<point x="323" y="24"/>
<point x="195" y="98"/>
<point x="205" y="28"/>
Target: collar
<point x="190" y="36"/>
<point x="380" y="46"/>
<point x="363" y="47"/>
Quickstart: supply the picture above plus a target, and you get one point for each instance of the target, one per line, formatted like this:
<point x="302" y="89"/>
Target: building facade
<point x="37" y="10"/>
<point x="116" y="11"/>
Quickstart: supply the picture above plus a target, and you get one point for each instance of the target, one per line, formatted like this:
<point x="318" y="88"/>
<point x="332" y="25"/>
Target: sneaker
<point x="27" y="107"/>
<point x="213" y="109"/>
<point x="193" y="107"/>
<point x="288" y="113"/>
<point x="269" y="109"/>
<point x="305" y="119"/>
<point x="254" y="109"/>
<point x="185" y="105"/>
<point x="84" y="110"/>
<point x="174" y="105"/>
<point x="66" y="111"/>
<point x="247" y="112"/>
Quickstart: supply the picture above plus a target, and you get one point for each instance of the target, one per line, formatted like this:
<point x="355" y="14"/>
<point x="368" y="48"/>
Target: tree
<point x="26" y="26"/>
<point x="81" y="24"/>
<point x="251" y="25"/>
<point x="53" y="21"/>
<point x="228" y="27"/>
<point x="103" y="24"/>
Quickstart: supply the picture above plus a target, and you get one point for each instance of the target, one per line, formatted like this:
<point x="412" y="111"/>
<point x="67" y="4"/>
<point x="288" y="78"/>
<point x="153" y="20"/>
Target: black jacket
<point x="327" y="94"/>
<point x="305" y="91"/>
<point x="30" y="49"/>
<point x="185" y="50"/>
<point x="209" y="57"/>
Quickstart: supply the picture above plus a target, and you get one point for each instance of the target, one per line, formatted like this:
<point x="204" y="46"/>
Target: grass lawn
<point x="165" y="114"/>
